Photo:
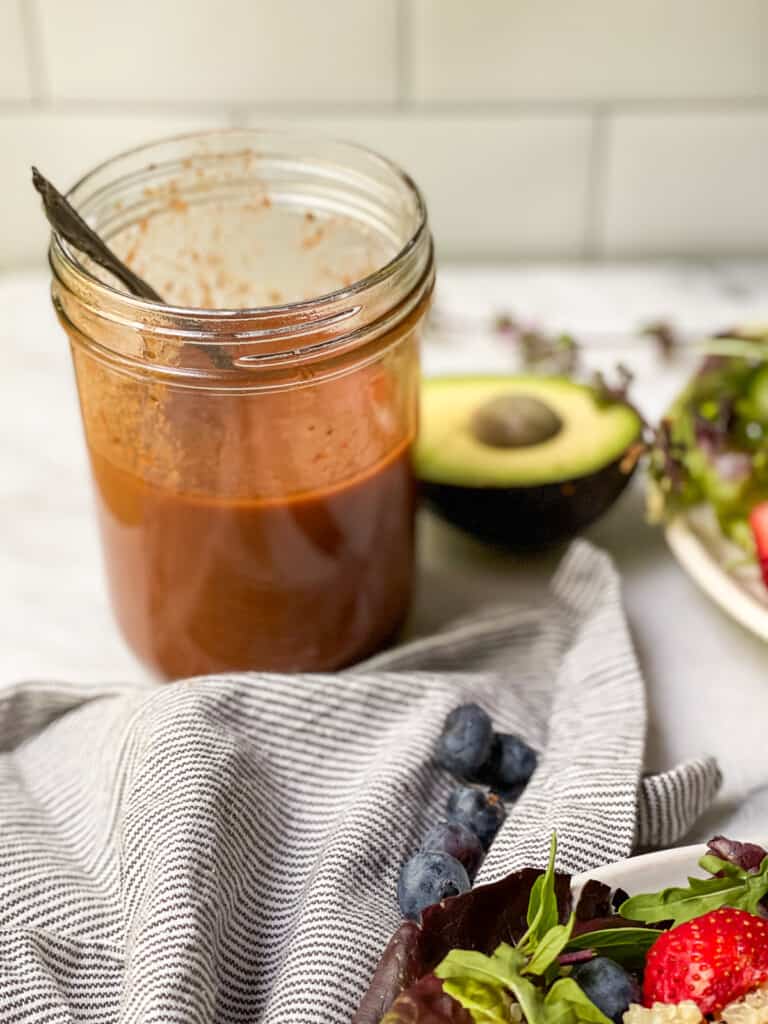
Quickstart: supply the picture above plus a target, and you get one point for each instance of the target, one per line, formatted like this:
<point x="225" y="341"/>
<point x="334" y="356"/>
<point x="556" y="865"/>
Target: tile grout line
<point x="33" y="45"/>
<point x="596" y="174"/>
<point x="239" y="109"/>
<point x="403" y="54"/>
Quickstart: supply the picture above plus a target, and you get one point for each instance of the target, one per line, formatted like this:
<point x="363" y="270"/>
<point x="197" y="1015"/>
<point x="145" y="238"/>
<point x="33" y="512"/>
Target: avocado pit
<point x="515" y="420"/>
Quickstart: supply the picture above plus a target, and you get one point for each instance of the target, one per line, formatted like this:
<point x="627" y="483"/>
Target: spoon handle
<point x="65" y="220"/>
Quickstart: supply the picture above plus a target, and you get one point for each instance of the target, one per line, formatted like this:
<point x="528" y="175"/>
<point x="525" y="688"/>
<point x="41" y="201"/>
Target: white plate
<point x="717" y="566"/>
<point x="649" y="872"/>
<point x="653" y="871"/>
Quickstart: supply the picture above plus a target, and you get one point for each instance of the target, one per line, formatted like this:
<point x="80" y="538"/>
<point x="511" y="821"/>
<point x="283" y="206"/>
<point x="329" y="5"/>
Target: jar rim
<point x="61" y="250"/>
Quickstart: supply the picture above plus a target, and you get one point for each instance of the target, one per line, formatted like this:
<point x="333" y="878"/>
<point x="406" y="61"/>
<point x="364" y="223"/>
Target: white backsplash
<point x="537" y="128"/>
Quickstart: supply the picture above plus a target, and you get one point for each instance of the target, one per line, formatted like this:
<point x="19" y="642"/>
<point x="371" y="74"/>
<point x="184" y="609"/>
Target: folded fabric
<point x="227" y="849"/>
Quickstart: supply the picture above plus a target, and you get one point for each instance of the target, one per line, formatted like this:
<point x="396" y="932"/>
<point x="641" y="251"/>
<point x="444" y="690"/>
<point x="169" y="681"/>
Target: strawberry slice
<point x="758" y="520"/>
<point x="710" y="960"/>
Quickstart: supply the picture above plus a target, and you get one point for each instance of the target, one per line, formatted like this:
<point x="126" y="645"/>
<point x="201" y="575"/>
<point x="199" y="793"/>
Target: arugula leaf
<point x="566" y="1003"/>
<point x="627" y="946"/>
<point x="543" y="913"/>
<point x="755" y="889"/>
<point x="678" y="904"/>
<point x="715" y="865"/>
<point x="550" y="947"/>
<point x="487" y="1004"/>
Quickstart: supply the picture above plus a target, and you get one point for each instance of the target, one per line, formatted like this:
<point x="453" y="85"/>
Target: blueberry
<point x="466" y="741"/>
<point x="479" y="811"/>
<point x="510" y="765"/>
<point x="607" y="985"/>
<point x="429" y="878"/>
<point x="458" y="841"/>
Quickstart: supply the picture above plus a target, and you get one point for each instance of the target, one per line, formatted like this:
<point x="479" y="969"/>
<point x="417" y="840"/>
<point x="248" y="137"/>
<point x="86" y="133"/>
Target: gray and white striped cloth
<point x="227" y="850"/>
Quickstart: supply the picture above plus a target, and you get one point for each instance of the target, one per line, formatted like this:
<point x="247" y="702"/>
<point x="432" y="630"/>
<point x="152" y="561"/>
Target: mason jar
<point x="250" y="437"/>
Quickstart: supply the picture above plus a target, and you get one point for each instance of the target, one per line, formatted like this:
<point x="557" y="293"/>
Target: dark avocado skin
<point x="529" y="518"/>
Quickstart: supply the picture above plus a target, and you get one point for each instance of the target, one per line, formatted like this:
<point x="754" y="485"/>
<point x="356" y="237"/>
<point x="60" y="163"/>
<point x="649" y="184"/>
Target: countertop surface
<point x="707" y="678"/>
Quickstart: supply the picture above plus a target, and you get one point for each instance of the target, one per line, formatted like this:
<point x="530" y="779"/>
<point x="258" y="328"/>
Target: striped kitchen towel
<point x="226" y="850"/>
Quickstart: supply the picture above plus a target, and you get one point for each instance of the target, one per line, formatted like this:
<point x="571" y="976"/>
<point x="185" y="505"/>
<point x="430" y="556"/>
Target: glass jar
<point x="250" y="439"/>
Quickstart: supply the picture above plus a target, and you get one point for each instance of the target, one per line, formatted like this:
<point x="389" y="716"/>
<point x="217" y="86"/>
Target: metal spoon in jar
<point x="67" y="222"/>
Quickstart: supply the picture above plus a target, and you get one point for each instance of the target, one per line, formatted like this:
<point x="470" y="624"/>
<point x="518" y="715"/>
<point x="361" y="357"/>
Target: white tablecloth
<point x="707" y="678"/>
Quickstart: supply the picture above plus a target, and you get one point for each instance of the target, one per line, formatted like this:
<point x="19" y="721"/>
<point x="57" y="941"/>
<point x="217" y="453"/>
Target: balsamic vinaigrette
<point x="251" y="519"/>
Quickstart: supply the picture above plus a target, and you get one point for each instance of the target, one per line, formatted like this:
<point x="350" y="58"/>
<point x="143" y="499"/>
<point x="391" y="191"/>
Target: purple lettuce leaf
<point x="747" y="856"/>
<point x="712" y="433"/>
<point x="398" y="968"/>
<point x="594" y="901"/>
<point x="666" y="336"/>
<point x="426" y="1003"/>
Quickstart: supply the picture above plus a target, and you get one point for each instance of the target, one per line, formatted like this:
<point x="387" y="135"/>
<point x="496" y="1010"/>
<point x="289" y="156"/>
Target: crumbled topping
<point x="751" y="1009"/>
<point x="664" y="1013"/>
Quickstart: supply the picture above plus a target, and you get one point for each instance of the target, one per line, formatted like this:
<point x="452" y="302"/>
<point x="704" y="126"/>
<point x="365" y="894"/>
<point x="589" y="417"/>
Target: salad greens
<point x="712" y="446"/>
<point x="485" y="985"/>
<point x="480" y="919"/>
<point x="733" y="886"/>
<point x="504" y="953"/>
<point x="531" y="973"/>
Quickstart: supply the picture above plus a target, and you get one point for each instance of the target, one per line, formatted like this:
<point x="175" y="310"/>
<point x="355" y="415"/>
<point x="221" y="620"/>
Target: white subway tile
<point x="686" y="184"/>
<point x="15" y="83"/>
<point x="291" y="51"/>
<point x="64" y="147"/>
<point x="491" y="50"/>
<point x="496" y="187"/>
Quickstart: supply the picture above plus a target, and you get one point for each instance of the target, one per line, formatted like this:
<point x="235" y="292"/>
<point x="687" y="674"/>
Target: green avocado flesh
<point x="448" y="451"/>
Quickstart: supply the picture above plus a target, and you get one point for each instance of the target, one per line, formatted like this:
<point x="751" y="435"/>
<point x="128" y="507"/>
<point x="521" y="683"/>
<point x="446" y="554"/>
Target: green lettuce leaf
<point x="550" y="947"/>
<point x="543" y="913"/>
<point x="627" y="946"/>
<point x="487" y="1004"/>
<point x="566" y="1003"/>
<point x="481" y="983"/>
<point x="502" y="970"/>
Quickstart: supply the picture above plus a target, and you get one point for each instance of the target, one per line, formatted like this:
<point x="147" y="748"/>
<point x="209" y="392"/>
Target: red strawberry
<point x="711" y="960"/>
<point x="758" y="520"/>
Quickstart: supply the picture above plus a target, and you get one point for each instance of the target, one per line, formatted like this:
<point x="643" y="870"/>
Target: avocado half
<point x="522" y="461"/>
